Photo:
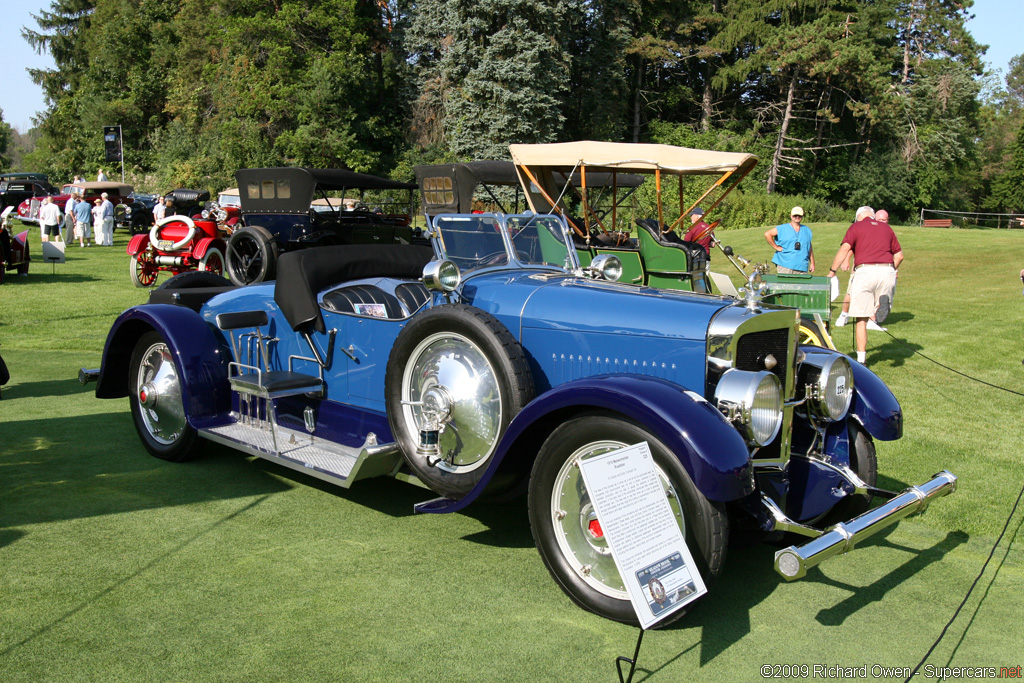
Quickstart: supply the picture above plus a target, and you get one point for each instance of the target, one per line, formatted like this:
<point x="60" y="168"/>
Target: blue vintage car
<point x="493" y="363"/>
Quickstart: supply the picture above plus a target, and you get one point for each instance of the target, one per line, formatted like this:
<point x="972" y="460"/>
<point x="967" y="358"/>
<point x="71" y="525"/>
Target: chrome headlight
<point x="441" y="276"/>
<point x="753" y="402"/>
<point x="829" y="388"/>
<point x="607" y="267"/>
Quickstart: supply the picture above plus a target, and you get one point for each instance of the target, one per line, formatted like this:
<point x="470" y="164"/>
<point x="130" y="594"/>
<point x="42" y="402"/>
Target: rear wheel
<point x="565" y="527"/>
<point x="252" y="255"/>
<point x="158" y="408"/>
<point x="212" y="262"/>
<point x="142" y="269"/>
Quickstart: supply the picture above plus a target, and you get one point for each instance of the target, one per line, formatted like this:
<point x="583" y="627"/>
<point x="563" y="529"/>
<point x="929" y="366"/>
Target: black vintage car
<point x="17" y="187"/>
<point x="136" y="216"/>
<point x="279" y="216"/>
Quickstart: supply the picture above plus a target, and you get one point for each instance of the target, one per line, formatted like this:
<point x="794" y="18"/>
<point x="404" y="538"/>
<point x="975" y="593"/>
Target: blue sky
<point x="997" y="24"/>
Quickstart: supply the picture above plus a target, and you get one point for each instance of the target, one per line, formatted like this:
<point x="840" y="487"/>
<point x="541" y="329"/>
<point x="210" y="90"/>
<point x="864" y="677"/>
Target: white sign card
<point x="642" y="532"/>
<point x="53" y="252"/>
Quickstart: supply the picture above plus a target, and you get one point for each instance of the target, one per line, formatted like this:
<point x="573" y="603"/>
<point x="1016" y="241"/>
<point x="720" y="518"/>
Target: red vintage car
<point x="13" y="248"/>
<point x="117" y="193"/>
<point x="177" y="243"/>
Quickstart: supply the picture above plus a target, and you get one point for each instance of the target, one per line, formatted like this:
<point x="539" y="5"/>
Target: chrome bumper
<point x="794" y="561"/>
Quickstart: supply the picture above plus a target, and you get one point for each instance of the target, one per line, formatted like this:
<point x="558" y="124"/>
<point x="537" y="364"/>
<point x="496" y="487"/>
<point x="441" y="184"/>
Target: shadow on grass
<point x="53" y="387"/>
<point x="861" y="596"/>
<point x="44" y="278"/>
<point x="9" y="536"/>
<point x="895" y="351"/>
<point x="69" y="468"/>
<point x="383" y="494"/>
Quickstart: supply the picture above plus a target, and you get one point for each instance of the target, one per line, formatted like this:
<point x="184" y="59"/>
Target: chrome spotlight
<point x="606" y="267"/>
<point x="828" y="388"/>
<point x="441" y="276"/>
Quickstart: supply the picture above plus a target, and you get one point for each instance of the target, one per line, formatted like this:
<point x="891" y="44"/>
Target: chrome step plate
<point x="298" y="449"/>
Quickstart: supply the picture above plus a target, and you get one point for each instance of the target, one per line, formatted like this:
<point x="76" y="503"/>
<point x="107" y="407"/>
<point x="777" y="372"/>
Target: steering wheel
<point x="154" y="233"/>
<point x="493" y="259"/>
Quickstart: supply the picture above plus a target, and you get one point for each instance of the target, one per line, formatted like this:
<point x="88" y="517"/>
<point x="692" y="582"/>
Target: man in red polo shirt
<point x="878" y="254"/>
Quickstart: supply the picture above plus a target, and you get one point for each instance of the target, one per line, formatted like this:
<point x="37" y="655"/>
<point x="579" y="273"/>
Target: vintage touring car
<point x="279" y="216"/>
<point x="493" y="364"/>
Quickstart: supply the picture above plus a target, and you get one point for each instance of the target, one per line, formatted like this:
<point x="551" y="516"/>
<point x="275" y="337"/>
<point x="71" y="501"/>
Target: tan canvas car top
<point x="625" y="156"/>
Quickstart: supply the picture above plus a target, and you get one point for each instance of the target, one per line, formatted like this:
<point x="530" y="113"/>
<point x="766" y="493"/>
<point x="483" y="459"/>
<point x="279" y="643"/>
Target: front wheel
<point x="142" y="269"/>
<point x="864" y="462"/>
<point x="565" y="526"/>
<point x="158" y="408"/>
<point x="212" y="262"/>
<point x="252" y="256"/>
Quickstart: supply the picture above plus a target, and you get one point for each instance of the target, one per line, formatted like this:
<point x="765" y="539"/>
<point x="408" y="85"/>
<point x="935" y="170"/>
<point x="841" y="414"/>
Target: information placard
<point x="642" y="531"/>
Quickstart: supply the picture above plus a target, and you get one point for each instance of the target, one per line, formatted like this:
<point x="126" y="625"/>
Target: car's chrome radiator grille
<point x="752" y="350"/>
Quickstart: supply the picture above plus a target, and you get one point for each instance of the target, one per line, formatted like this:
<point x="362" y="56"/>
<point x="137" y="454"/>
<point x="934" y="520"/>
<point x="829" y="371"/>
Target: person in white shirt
<point x="49" y="219"/>
<point x="101" y="177"/>
<point x="106" y="229"/>
<point x="159" y="210"/>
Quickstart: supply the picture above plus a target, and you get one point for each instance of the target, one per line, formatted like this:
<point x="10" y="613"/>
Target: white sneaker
<point x="841" y="320"/>
<point x="872" y="325"/>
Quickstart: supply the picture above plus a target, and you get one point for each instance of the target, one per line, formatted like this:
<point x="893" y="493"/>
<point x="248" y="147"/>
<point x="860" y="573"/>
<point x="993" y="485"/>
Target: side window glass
<point x="284" y="189"/>
<point x="268" y="189"/>
<point x="253" y="190"/>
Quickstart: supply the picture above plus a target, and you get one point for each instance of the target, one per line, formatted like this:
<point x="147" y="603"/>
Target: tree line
<point x="846" y="102"/>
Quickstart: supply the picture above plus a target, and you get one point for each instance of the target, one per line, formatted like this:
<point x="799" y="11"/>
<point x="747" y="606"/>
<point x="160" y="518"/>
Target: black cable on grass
<point x="969" y="590"/>
<point x="1002" y="533"/>
<point x="981" y="381"/>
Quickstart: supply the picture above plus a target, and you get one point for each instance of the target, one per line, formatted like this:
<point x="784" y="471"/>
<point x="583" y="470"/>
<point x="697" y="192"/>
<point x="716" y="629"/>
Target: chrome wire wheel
<point x="158" y="391"/>
<point x="577" y="530"/>
<point x="569" y="536"/>
<point x="450" y="379"/>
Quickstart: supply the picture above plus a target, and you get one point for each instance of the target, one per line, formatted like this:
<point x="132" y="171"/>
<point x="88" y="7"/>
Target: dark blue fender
<point x="874" y="405"/>
<point x="201" y="354"/>
<point x="708" y="446"/>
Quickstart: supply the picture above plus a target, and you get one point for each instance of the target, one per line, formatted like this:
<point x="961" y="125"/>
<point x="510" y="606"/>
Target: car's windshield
<point x="487" y="240"/>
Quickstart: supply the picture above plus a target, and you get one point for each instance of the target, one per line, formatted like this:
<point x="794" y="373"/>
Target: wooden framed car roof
<point x="450" y="188"/>
<point x="538" y="164"/>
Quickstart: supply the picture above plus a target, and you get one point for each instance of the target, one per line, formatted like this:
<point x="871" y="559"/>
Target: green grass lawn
<point x="115" y="566"/>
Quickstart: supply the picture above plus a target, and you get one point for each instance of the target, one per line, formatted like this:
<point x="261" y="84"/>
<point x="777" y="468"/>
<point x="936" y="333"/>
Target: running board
<point x="318" y="457"/>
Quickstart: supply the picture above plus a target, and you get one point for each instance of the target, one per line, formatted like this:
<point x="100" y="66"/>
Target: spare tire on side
<point x="455" y="375"/>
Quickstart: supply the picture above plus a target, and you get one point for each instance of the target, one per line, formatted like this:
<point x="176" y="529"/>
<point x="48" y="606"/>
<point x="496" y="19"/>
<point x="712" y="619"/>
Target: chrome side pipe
<point x="86" y="375"/>
<point x="793" y="562"/>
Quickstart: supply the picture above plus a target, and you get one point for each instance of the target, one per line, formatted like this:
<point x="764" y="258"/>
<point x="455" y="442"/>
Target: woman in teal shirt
<point x="792" y="244"/>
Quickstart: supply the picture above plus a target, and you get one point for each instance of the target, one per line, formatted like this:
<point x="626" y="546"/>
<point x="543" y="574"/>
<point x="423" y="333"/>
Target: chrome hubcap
<point x="159" y="393"/>
<point x="580" y="536"/>
<point x="448" y="382"/>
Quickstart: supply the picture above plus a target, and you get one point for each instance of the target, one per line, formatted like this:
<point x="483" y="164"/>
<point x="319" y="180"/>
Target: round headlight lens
<point x="753" y="401"/>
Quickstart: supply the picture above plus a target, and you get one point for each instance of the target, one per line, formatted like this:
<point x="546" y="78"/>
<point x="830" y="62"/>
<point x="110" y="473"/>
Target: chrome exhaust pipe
<point x="85" y="375"/>
<point x="793" y="562"/>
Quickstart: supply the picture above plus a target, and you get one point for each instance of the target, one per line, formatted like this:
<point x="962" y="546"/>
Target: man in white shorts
<point x="878" y="254"/>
